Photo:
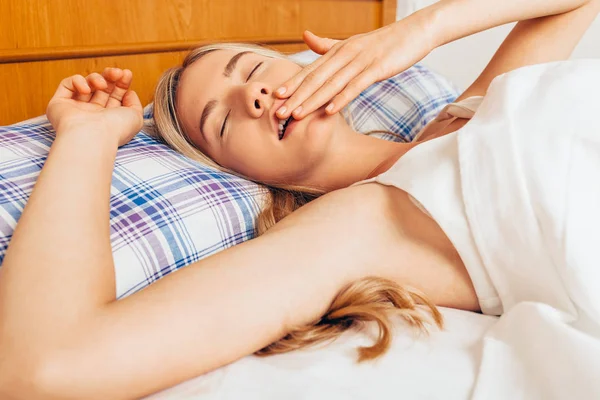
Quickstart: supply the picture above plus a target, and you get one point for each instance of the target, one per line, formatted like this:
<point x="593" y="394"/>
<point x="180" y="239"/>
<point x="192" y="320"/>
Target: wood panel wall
<point x="42" y="42"/>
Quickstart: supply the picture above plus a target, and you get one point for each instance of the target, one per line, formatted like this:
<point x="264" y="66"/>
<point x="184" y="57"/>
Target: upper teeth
<point x="282" y="124"/>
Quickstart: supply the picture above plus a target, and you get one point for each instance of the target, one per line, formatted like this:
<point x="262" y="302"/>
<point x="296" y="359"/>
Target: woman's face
<point x="226" y="105"/>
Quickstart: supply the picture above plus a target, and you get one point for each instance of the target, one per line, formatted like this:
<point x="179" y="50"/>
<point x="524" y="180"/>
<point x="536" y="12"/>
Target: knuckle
<point x="342" y="98"/>
<point x="311" y="78"/>
<point x="377" y="68"/>
<point x="291" y="103"/>
<point x="289" y="85"/>
<point x="337" y="45"/>
<point x="312" y="101"/>
<point x="352" y="47"/>
<point x="354" y="87"/>
<point x="335" y="82"/>
<point x="292" y="85"/>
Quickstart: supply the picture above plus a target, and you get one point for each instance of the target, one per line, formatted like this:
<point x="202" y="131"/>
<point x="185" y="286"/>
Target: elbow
<point x="16" y="382"/>
<point x="577" y="4"/>
<point x="592" y="6"/>
<point x="26" y="379"/>
<point x="591" y="3"/>
<point x="45" y="374"/>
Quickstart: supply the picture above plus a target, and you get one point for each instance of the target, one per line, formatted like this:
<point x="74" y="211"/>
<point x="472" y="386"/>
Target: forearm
<point x="216" y="310"/>
<point x="451" y="20"/>
<point x="536" y="41"/>
<point x="59" y="264"/>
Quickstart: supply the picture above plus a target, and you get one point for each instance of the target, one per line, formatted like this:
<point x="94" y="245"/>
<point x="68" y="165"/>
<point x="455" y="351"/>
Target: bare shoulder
<point x="364" y="222"/>
<point x="375" y="229"/>
<point x="357" y="208"/>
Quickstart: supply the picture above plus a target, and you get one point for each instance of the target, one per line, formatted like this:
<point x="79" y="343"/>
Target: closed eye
<point x="224" y="122"/>
<point x="247" y="79"/>
<point x="253" y="70"/>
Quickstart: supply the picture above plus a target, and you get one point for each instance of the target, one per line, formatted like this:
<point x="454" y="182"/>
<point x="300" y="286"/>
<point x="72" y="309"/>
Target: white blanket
<point x="530" y="167"/>
<point x="440" y="366"/>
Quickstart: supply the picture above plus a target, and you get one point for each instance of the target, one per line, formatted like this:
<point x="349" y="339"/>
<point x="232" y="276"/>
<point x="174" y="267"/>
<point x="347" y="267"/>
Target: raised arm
<point x="533" y="41"/>
<point x="350" y="66"/>
<point x="63" y="335"/>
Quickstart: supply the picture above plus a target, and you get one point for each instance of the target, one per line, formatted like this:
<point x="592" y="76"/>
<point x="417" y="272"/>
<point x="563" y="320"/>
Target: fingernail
<point x="297" y="111"/>
<point x="330" y="107"/>
<point x="281" y="111"/>
<point x="281" y="90"/>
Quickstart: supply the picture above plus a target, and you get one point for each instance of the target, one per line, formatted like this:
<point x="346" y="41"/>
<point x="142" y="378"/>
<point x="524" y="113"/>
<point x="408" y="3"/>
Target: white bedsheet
<point x="441" y="366"/>
<point x="530" y="169"/>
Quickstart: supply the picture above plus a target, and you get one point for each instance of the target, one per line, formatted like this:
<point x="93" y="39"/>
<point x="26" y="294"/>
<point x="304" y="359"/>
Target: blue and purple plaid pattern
<point x="167" y="211"/>
<point x="403" y="104"/>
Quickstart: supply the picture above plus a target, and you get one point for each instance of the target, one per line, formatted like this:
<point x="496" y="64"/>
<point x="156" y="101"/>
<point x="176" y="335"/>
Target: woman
<point x="67" y="338"/>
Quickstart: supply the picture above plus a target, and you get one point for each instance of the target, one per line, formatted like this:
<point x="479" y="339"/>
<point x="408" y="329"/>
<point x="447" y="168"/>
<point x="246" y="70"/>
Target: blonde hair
<point x="370" y="299"/>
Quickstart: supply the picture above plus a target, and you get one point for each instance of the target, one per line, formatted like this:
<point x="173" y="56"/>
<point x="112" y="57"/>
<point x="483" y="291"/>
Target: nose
<point x="258" y="98"/>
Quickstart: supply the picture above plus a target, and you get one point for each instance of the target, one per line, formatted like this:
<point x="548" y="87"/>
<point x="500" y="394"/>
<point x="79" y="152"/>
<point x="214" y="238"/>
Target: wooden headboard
<point x="44" y="41"/>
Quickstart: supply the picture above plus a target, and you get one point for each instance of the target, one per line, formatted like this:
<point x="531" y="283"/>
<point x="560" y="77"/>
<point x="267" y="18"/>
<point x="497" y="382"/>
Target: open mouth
<point x="283" y="124"/>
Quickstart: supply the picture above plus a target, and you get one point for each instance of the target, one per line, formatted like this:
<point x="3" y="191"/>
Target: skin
<point x="69" y="338"/>
<point x="349" y="67"/>
<point x="320" y="151"/>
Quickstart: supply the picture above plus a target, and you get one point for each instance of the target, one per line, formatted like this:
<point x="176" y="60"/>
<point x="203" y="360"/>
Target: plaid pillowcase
<point x="167" y="211"/>
<point x="403" y="104"/>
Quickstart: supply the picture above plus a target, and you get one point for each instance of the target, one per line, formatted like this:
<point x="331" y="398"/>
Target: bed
<point x="43" y="44"/>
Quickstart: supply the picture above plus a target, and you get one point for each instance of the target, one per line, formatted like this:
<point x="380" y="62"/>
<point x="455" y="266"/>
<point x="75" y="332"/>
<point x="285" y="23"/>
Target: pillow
<point x="402" y="104"/>
<point x="167" y="211"/>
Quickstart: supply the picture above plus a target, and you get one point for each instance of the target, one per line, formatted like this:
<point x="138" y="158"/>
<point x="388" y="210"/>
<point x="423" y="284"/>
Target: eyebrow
<point x="233" y="62"/>
<point x="210" y="106"/>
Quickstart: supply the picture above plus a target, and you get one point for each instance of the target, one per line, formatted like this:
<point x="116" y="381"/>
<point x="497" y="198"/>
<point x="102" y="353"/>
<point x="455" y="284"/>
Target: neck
<point x="356" y="157"/>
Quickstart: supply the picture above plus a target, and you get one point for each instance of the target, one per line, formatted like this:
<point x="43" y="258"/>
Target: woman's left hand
<point x="350" y="66"/>
<point x="99" y="103"/>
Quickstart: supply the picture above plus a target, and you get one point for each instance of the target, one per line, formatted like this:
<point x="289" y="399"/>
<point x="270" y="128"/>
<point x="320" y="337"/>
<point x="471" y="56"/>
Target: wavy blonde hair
<point x="370" y="299"/>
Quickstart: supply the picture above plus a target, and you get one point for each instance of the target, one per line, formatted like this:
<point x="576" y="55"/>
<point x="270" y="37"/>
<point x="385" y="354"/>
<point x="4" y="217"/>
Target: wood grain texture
<point x="41" y="42"/>
<point x="113" y="23"/>
<point x="32" y="84"/>
<point x="61" y="53"/>
<point x="389" y="11"/>
<point x="40" y="79"/>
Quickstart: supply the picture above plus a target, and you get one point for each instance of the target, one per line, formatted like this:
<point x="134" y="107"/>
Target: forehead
<point x="200" y="82"/>
<point x="207" y="67"/>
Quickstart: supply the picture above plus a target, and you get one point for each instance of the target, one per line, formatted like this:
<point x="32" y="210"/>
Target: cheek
<point x="321" y="127"/>
<point x="249" y="154"/>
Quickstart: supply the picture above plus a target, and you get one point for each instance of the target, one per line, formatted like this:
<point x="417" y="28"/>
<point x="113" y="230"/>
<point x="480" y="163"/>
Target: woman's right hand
<point x="350" y="66"/>
<point x="97" y="102"/>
